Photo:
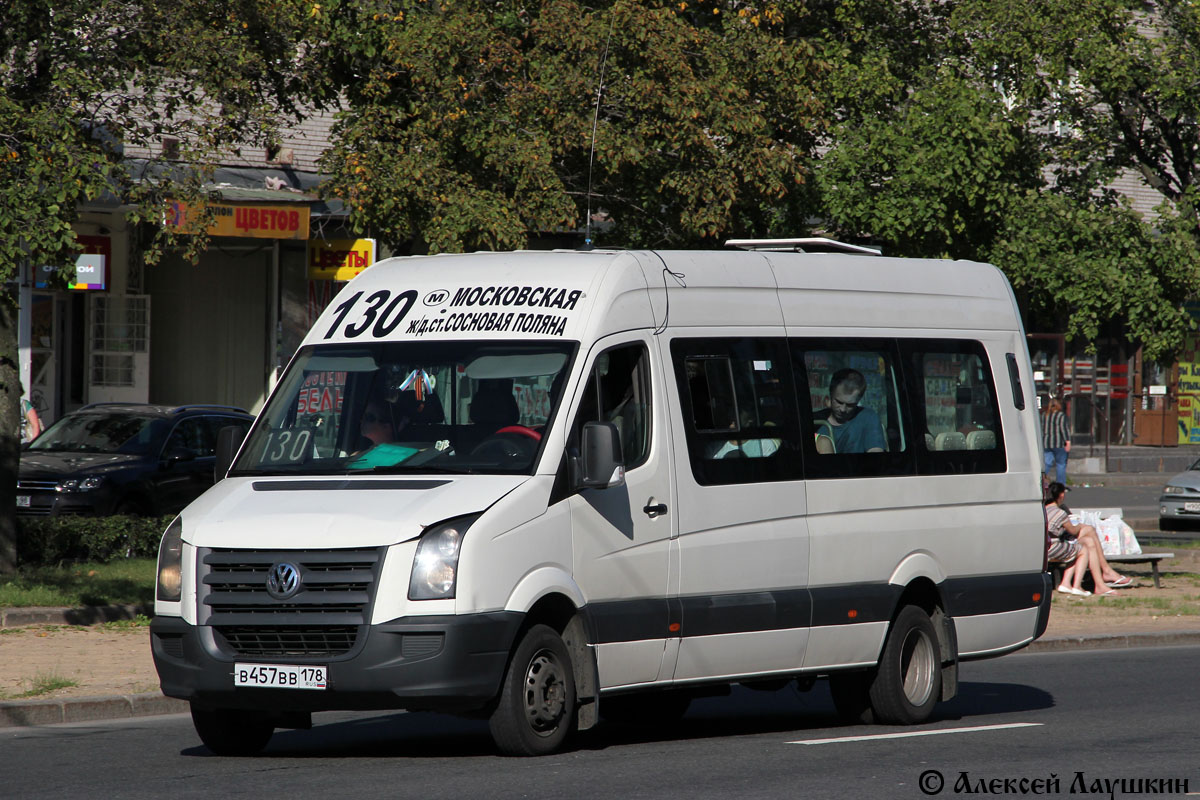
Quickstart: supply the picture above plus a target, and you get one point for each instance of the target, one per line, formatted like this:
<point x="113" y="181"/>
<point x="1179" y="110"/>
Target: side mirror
<point x="177" y="454"/>
<point x="229" y="441"/>
<point x="600" y="458"/>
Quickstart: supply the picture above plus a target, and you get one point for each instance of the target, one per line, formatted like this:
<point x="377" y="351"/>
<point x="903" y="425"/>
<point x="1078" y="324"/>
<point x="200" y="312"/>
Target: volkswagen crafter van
<point x="546" y="487"/>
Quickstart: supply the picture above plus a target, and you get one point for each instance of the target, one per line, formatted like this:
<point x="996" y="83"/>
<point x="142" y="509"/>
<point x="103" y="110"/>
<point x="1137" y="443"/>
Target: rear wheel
<point x="908" y="681"/>
<point x="536" y="709"/>
<point x="229" y="732"/>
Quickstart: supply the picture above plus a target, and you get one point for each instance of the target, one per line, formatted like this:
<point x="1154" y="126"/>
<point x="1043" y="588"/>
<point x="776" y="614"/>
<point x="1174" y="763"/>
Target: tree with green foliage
<point x="473" y="124"/>
<point x="993" y="129"/>
<point x="80" y="80"/>
<point x="936" y="175"/>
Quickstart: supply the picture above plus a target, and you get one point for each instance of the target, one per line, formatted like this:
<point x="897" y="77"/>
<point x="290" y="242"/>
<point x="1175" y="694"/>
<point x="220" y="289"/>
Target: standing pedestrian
<point x="1056" y="440"/>
<point x="31" y="423"/>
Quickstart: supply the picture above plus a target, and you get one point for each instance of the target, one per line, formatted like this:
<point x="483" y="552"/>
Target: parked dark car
<point x="123" y="458"/>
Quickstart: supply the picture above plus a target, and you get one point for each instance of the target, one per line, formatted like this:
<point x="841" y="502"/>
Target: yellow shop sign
<point x="253" y="221"/>
<point x="339" y="259"/>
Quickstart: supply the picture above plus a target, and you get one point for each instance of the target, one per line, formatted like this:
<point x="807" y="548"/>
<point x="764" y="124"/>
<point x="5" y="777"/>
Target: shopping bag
<point x="1112" y="533"/>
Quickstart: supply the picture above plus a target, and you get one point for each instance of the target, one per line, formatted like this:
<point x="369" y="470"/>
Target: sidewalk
<point x="1153" y="463"/>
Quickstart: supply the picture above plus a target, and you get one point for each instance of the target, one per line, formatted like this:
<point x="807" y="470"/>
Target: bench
<point x="1132" y="558"/>
<point x="1142" y="558"/>
<point x="1056" y="567"/>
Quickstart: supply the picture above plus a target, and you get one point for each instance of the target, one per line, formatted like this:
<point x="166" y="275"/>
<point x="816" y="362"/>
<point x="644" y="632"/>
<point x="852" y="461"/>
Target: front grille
<point x="33" y="511"/>
<point x="322" y="619"/>
<point x="289" y="641"/>
<point x="37" y="486"/>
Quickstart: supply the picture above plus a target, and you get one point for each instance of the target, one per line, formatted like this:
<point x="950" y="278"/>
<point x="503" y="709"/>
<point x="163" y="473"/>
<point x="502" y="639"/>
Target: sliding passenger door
<point x="740" y="593"/>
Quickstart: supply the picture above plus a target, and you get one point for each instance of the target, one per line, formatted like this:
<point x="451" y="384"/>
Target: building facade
<point x="219" y="331"/>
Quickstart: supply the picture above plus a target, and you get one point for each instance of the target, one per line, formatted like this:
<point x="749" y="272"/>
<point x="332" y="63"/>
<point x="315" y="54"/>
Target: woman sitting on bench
<point x="1081" y="544"/>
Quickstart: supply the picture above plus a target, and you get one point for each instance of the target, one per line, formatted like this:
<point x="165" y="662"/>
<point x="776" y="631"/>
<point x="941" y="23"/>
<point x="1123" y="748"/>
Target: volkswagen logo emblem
<point x="283" y="580"/>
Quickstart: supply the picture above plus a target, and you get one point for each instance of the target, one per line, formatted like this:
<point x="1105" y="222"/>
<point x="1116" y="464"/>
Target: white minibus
<point x="546" y="488"/>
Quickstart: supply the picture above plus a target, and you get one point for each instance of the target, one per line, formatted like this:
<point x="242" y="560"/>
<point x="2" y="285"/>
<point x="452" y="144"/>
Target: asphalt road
<point x="1080" y="716"/>
<point x="1137" y="501"/>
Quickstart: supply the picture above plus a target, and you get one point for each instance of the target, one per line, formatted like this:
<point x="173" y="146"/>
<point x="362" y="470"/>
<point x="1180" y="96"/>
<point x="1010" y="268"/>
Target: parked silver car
<point x="1179" y="505"/>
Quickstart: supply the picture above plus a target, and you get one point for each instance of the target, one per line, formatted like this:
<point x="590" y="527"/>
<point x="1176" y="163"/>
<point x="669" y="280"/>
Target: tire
<point x="536" y="708"/>
<point x="908" y="680"/>
<point x="229" y="732"/>
<point x="653" y="709"/>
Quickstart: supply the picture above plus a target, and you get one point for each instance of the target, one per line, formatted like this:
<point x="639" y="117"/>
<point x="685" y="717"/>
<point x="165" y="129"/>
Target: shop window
<point x="120" y="328"/>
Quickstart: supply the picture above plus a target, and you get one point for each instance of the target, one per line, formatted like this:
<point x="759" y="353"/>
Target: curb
<point x="1109" y="641"/>
<point x="87" y="615"/>
<point x="30" y="713"/>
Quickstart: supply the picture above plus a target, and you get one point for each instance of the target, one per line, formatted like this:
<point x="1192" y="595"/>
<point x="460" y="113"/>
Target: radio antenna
<point x="587" y="237"/>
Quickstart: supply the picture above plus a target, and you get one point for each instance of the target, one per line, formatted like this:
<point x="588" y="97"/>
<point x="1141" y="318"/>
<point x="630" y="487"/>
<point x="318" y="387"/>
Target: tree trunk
<point x="10" y="430"/>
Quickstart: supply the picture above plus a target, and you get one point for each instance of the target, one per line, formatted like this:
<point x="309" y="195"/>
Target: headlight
<point x="82" y="485"/>
<point x="435" y="566"/>
<point x="170" y="563"/>
<point x="1174" y="490"/>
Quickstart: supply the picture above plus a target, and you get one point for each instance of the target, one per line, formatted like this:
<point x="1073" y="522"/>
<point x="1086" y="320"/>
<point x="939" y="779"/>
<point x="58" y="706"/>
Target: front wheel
<point x="536" y="708"/>
<point x="908" y="682"/>
<point x="228" y="732"/>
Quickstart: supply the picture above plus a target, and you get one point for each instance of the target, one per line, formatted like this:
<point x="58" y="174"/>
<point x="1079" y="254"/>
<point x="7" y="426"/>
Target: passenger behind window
<point x="854" y="429"/>
<point x="748" y="448"/>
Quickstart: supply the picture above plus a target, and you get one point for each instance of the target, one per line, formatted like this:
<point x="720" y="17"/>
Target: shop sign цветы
<point x="255" y="221"/>
<point x="339" y="259"/>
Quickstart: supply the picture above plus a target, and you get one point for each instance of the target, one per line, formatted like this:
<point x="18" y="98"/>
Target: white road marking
<point x="911" y="734"/>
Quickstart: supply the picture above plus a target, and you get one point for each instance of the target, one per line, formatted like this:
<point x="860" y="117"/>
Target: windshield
<point x="125" y="433"/>
<point x="409" y="407"/>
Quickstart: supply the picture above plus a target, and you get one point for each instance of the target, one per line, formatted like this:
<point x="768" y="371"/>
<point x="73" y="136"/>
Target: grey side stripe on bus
<point x="783" y="609"/>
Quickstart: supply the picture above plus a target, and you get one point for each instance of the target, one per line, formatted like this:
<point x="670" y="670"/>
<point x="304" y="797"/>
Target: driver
<point x="379" y="424"/>
<point x="376" y="424"/>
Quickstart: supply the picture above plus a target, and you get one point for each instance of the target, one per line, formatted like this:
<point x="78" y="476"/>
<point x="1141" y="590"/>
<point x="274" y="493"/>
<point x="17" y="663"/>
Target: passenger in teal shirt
<point x="855" y="429"/>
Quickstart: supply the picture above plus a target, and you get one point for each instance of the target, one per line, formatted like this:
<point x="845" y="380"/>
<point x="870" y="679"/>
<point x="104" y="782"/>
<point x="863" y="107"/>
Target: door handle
<point x="653" y="511"/>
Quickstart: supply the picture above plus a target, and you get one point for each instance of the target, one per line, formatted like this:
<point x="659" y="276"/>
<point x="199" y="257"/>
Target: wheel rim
<point x="917" y="665"/>
<point x="545" y="693"/>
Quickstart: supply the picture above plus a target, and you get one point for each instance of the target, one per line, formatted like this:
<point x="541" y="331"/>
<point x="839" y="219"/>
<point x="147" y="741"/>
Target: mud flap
<point x="583" y="663"/>
<point x="948" y="640"/>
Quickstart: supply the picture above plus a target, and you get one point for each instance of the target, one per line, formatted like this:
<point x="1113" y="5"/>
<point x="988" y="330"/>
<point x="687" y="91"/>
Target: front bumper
<point x="42" y="503"/>
<point x="442" y="663"/>
<point x="1175" y="506"/>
